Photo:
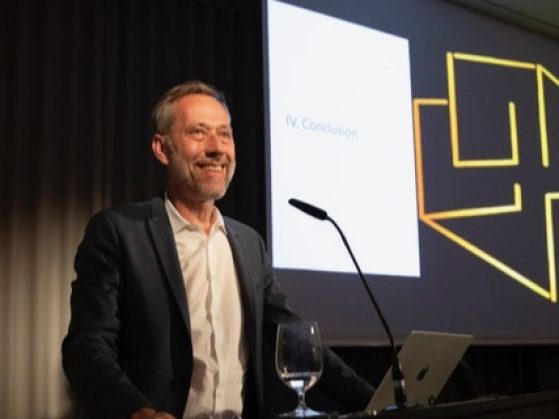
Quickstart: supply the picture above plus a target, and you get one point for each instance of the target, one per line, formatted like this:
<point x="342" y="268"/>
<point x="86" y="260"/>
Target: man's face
<point x="200" y="148"/>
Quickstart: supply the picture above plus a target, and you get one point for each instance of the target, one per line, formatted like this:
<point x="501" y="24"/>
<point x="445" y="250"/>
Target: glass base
<point x="300" y="412"/>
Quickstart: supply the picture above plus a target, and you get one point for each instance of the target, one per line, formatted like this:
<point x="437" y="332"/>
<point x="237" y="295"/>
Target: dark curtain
<point x="78" y="79"/>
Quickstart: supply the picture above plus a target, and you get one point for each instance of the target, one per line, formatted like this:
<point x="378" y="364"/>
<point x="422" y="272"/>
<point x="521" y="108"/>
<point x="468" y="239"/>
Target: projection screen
<point x="430" y="134"/>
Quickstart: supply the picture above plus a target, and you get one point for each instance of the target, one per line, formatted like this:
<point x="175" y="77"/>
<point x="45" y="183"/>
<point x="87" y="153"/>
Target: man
<point x="174" y="303"/>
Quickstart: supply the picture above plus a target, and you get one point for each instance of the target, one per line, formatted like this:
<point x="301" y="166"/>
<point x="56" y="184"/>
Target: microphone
<point x="309" y="209"/>
<point x="397" y="374"/>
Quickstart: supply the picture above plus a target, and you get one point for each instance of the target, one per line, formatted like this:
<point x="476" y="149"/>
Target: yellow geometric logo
<point x="438" y="219"/>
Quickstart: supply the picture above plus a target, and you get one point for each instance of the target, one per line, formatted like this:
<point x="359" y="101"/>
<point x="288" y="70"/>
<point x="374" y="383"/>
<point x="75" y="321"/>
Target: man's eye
<point x="196" y="132"/>
<point x="225" y="134"/>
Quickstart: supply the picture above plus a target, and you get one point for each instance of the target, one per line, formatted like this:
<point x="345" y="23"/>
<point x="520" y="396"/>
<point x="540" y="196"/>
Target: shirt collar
<point x="179" y="223"/>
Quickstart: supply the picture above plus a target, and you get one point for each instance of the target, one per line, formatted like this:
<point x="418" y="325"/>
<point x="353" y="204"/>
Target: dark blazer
<point x="128" y="343"/>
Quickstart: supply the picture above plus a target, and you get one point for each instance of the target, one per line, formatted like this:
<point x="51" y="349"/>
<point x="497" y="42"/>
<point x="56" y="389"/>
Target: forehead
<point x="200" y="108"/>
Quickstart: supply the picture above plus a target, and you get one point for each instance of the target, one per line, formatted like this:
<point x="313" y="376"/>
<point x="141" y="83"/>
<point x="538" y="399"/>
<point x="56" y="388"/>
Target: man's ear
<point x="160" y="149"/>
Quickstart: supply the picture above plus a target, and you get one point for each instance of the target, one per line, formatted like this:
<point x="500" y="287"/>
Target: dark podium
<point x="527" y="406"/>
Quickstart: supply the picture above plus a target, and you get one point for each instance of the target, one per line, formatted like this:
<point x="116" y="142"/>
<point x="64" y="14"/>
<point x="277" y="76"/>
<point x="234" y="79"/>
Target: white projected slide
<point x="341" y="139"/>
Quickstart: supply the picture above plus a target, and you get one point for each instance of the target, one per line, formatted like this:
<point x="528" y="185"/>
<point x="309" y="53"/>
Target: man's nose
<point x="214" y="143"/>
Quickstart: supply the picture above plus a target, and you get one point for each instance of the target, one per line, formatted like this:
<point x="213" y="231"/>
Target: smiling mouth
<point x="216" y="168"/>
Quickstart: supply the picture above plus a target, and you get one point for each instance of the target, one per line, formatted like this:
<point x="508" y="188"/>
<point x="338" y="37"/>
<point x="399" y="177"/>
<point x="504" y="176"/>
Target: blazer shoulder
<point x="124" y="218"/>
<point x="134" y="211"/>
<point x="241" y="229"/>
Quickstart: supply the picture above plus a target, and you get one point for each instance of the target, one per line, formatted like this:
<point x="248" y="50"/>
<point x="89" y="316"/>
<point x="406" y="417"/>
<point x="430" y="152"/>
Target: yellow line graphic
<point x="542" y="72"/>
<point x="431" y="218"/>
<point x="549" y="198"/>
<point x="457" y="161"/>
<point x="483" y="59"/>
<point x="481" y="211"/>
<point x="503" y="267"/>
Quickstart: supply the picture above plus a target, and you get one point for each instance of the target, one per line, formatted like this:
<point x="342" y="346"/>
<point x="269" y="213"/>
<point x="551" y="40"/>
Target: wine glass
<point x="299" y="361"/>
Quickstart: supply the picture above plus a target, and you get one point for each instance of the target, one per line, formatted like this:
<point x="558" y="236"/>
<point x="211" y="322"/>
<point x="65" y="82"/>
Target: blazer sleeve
<point x="89" y="351"/>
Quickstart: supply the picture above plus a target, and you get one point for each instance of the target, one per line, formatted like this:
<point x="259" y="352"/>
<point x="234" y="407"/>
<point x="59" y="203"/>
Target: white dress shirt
<point x="216" y="318"/>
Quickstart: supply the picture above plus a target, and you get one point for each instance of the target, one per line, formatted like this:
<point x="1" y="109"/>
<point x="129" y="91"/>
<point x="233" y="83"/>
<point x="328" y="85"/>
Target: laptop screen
<point x="428" y="359"/>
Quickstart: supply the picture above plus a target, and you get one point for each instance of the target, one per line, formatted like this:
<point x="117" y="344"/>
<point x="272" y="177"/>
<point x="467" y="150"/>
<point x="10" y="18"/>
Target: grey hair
<point x="162" y="115"/>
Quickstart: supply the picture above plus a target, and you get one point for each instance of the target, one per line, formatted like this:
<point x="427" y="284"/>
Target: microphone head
<point x="309" y="209"/>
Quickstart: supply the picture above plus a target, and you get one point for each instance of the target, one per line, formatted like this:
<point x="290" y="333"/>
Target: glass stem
<point x="302" y="404"/>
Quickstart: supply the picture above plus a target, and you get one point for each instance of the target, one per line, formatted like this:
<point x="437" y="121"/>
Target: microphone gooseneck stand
<point x="400" y="397"/>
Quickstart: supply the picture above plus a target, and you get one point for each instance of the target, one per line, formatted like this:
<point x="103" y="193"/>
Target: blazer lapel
<point x="253" y="318"/>
<point x="165" y="246"/>
<point x="247" y="285"/>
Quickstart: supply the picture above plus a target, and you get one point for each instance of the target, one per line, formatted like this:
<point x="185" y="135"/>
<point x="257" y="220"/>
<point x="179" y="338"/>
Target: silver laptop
<point x="428" y="359"/>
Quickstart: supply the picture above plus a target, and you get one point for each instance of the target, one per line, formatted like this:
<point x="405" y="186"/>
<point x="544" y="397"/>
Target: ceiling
<point x="539" y="15"/>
